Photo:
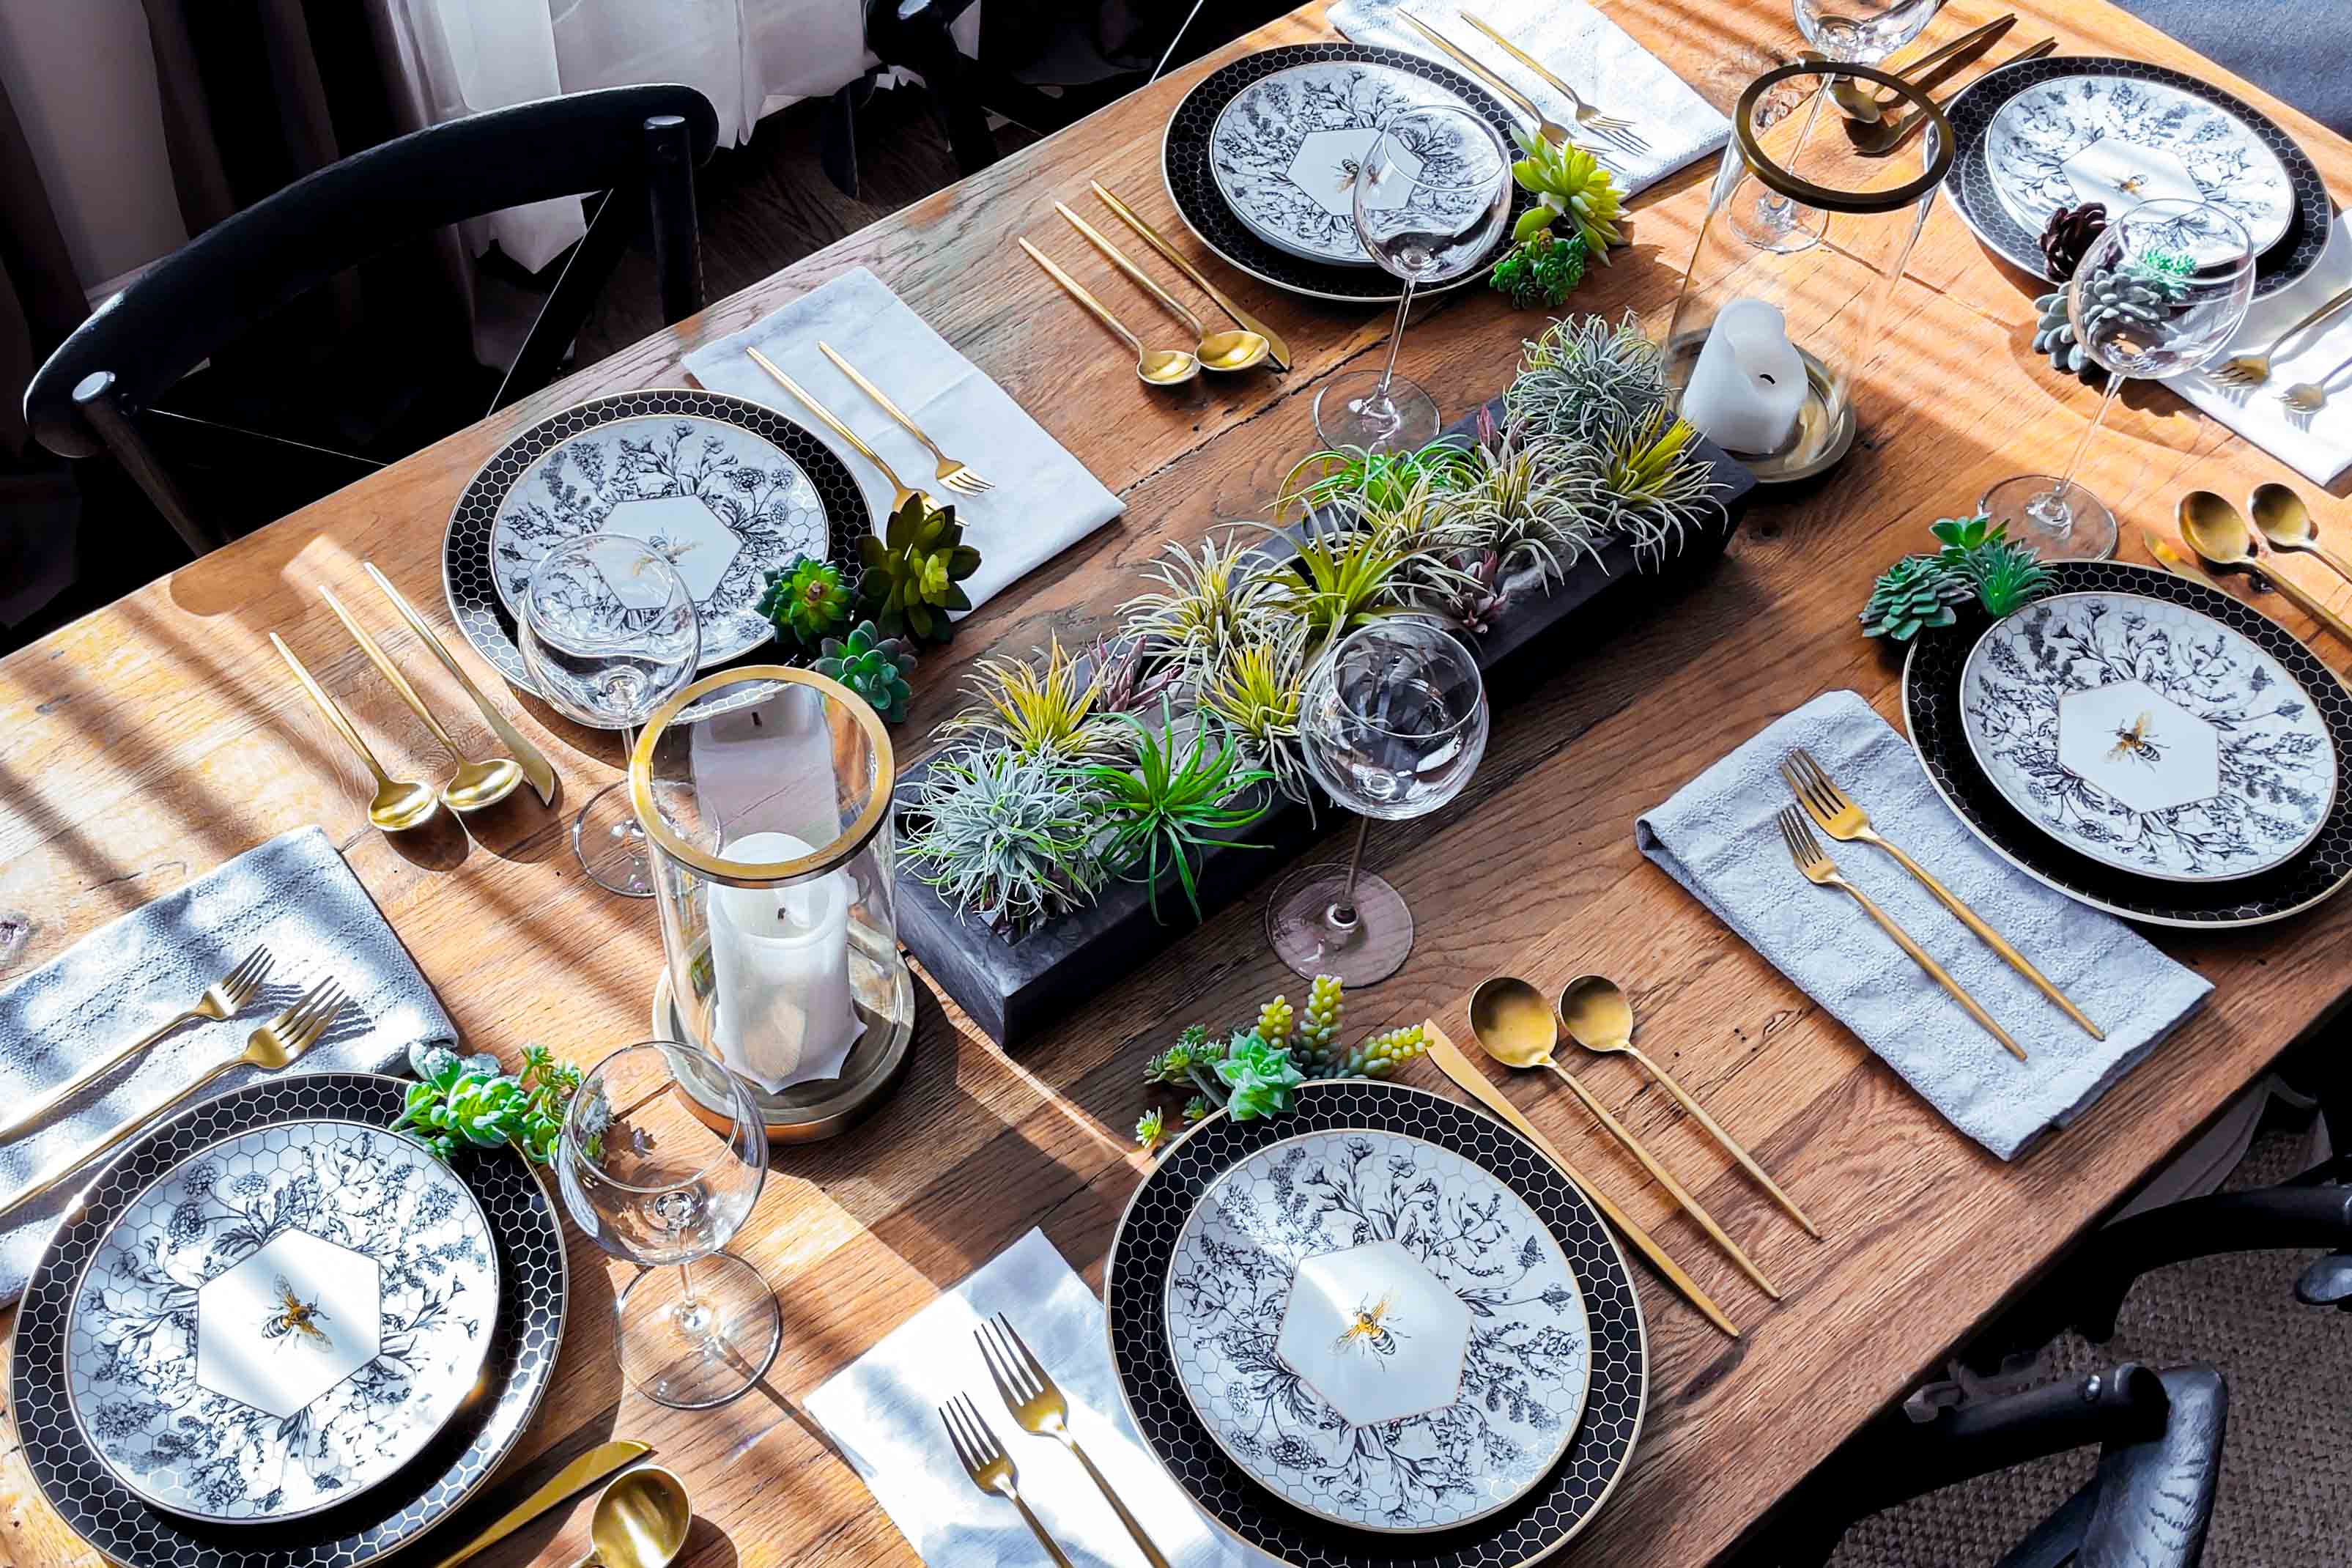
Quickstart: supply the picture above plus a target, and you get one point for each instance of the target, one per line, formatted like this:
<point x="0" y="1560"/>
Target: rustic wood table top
<point x="150" y="742"/>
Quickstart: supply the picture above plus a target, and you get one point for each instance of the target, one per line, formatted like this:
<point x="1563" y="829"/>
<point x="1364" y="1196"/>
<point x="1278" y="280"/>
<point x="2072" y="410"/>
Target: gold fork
<point x="1841" y="817"/>
<point x="1551" y="131"/>
<point x="1030" y="1394"/>
<point x="958" y="477"/>
<point x="219" y="1003"/>
<point x="900" y="494"/>
<point x="1814" y="862"/>
<point x="272" y="1047"/>
<point x="1614" y="127"/>
<point x="2252" y="370"/>
<point x="990" y="1470"/>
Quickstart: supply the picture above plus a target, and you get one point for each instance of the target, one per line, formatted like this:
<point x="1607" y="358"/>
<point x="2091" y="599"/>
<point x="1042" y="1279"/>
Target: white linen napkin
<point x="1580" y="46"/>
<point x="1716" y="837"/>
<point x="882" y="1410"/>
<point x="2317" y="445"/>
<point x="1044" y="499"/>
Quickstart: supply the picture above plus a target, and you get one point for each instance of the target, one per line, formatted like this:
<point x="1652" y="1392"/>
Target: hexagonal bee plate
<point x="1374" y="1333"/>
<point x="286" y="1324"/>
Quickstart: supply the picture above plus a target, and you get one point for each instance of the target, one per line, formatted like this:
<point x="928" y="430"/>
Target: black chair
<point x="638" y="145"/>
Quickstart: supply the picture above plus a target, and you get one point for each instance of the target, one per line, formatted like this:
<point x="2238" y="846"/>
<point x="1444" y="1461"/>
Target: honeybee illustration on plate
<point x="2134" y="740"/>
<point x="1375" y="1329"/>
<point x="295" y="1319"/>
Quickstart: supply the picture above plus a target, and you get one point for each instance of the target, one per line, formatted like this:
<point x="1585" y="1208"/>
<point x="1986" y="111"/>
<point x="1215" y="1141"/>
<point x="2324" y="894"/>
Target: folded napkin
<point x="1044" y="499"/>
<point x="1580" y="46"/>
<point x="1716" y="837"/>
<point x="882" y="1410"/>
<point x="293" y="894"/>
<point x="2317" y="445"/>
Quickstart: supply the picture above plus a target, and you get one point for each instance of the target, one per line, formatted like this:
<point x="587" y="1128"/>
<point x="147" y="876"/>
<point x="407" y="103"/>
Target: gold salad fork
<point x="1843" y="819"/>
<point x="1551" y="131"/>
<point x="1814" y="862"/>
<point x="984" y="1460"/>
<point x="1615" y="128"/>
<point x="219" y="1003"/>
<point x="1036" y="1403"/>
<point x="2253" y="369"/>
<point x="273" y="1047"/>
<point x="961" y="478"/>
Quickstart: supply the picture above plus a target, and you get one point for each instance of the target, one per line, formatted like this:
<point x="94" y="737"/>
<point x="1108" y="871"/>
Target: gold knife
<point x="535" y="767"/>
<point x="2174" y="562"/>
<point x="1277" y="351"/>
<point x="588" y="1469"/>
<point x="1466" y="1074"/>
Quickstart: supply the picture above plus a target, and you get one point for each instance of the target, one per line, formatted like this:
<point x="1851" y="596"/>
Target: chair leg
<point x="923" y="45"/>
<point x="95" y="396"/>
<point x="582" y="278"/>
<point x="678" y="240"/>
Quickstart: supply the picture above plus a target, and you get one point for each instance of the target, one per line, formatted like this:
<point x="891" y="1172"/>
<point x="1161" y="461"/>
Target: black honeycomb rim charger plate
<point x="1970" y="184"/>
<point x="1134" y="1297"/>
<point x="1184" y="167"/>
<point x="1931" y="709"/>
<point x="106" y="1514"/>
<point x="482" y="618"/>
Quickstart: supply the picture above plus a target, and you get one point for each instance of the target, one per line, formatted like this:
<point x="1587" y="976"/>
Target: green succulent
<point x="1258" y="1078"/>
<point x="871" y="665"/>
<point x="2005" y="575"/>
<point x="1150" y="1128"/>
<point x="1916" y="593"/>
<point x="913" y="570"/>
<point x="1959" y="535"/>
<point x="1569" y="183"/>
<point x="1542" y="269"/>
<point x="806" y="599"/>
<point x="462" y="1103"/>
<point x="1172" y="806"/>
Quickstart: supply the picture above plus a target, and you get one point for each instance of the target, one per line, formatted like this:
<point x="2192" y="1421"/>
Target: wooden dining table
<point x="148" y="743"/>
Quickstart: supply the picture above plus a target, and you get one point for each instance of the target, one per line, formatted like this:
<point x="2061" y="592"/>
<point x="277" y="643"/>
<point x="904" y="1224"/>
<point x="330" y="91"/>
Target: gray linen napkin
<point x="1044" y="499"/>
<point x="1580" y="46"/>
<point x="882" y="1410"/>
<point x="1716" y="837"/>
<point x="293" y="893"/>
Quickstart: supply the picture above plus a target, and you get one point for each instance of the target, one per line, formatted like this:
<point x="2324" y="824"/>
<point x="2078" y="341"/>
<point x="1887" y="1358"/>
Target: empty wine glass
<point x="1392" y="723"/>
<point x="1432" y="195"/>
<point x="1849" y="32"/>
<point x="661" y="1158"/>
<point x="2162" y="291"/>
<point x="608" y="632"/>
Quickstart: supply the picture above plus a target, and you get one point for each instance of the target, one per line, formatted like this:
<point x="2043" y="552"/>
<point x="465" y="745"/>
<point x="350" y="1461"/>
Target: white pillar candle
<point x="1748" y="385"/>
<point x="780" y="970"/>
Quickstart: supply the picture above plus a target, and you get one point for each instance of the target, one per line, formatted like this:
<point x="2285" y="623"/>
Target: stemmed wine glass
<point x="2161" y="292"/>
<point x="608" y="632"/>
<point x="1431" y="196"/>
<point x="1392" y="723"/>
<point x="661" y="1158"/>
<point x="1848" y="32"/>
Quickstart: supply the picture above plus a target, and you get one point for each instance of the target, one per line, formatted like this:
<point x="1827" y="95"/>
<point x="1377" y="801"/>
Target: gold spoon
<point x="1513" y="1024"/>
<point x="1601" y="1019"/>
<point x="475" y="785"/>
<point x="1154" y="368"/>
<point x="641" y="1521"/>
<point x="2279" y="512"/>
<point x="2214" y="529"/>
<point x="1237" y="350"/>
<point x="397" y="804"/>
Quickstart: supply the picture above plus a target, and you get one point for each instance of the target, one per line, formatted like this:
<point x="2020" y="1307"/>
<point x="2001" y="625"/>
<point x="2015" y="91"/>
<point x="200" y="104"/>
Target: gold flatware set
<point x="2220" y="536"/>
<point x="2255" y="369"/>
<point x="641" y="1519"/>
<point x="1884" y="137"/>
<point x="1591" y="125"/>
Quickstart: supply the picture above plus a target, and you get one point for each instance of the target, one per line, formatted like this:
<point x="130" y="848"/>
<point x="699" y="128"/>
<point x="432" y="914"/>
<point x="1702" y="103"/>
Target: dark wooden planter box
<point x="1014" y="987"/>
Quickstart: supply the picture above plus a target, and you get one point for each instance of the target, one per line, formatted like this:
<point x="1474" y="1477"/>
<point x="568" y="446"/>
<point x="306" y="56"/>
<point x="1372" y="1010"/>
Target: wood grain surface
<point x="148" y="743"/>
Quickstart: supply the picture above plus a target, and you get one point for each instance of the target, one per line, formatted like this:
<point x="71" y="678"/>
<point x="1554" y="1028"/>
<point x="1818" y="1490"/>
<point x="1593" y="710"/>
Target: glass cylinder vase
<point x="1808" y="228"/>
<point x="764" y="794"/>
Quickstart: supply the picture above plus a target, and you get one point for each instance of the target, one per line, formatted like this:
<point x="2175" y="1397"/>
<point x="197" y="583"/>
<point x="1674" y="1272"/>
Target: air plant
<point x="1127" y="680"/>
<point x="1168" y="808"/>
<point x="1348" y="575"/>
<point x="1011" y="839"/>
<point x="1253" y="688"/>
<point x="1655" y="485"/>
<point x="1586" y="378"/>
<point x="1205" y="599"/>
<point x="1350" y="477"/>
<point x="1037" y="710"/>
<point x="1529" y="506"/>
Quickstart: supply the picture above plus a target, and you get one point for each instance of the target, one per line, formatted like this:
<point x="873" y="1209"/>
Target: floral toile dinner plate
<point x="2120" y="141"/>
<point x="2149" y="736"/>
<point x="1378" y="1331"/>
<point x="282" y="1322"/>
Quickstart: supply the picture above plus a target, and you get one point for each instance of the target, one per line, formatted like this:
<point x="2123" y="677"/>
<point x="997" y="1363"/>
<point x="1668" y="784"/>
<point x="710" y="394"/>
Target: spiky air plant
<point x="1127" y="680"/>
<point x="1529" y="504"/>
<point x="1656" y="485"/>
<point x="1037" y="708"/>
<point x="1253" y="688"/>
<point x="1426" y="524"/>
<point x="1346" y="477"/>
<point x="1587" y="378"/>
<point x="1217" y="594"/>
<point x="1171" y="806"/>
<point x="1348" y="575"/>
<point x="1006" y="838"/>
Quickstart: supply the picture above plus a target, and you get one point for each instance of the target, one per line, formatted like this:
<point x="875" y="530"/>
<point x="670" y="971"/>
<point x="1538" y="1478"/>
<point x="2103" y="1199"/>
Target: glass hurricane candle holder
<point x="1775" y="316"/>
<point x="764" y="793"/>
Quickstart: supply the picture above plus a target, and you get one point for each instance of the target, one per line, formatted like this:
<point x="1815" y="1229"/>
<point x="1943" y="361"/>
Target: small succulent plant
<point x="1976" y="561"/>
<point x="1916" y="593"/>
<point x="914" y="570"/>
<point x="873" y="666"/>
<point x="2007" y="576"/>
<point x="806" y="599"/>
<point x="1542" y="270"/>
<point x="1569" y="183"/>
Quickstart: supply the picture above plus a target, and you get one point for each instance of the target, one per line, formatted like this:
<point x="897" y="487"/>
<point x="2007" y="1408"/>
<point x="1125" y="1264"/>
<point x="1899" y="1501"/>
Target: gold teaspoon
<point x="475" y="785"/>
<point x="641" y="1521"/>
<point x="1601" y="1019"/>
<point x="2279" y="512"/>
<point x="397" y="804"/>
<point x="2215" y="529"/>
<point x="1237" y="350"/>
<point x="1155" y="367"/>
<point x="1513" y="1024"/>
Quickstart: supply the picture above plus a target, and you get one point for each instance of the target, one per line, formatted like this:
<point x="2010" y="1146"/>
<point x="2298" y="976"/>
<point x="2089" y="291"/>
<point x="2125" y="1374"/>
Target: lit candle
<point x="780" y="970"/>
<point x="1748" y="385"/>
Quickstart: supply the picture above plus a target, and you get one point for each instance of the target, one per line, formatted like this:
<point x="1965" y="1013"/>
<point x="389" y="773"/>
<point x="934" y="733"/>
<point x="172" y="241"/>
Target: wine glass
<point x="661" y="1158"/>
<point x="608" y="633"/>
<point x="1392" y="723"/>
<point x="2161" y="292"/>
<point x="1848" y="32"/>
<point x="1431" y="195"/>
